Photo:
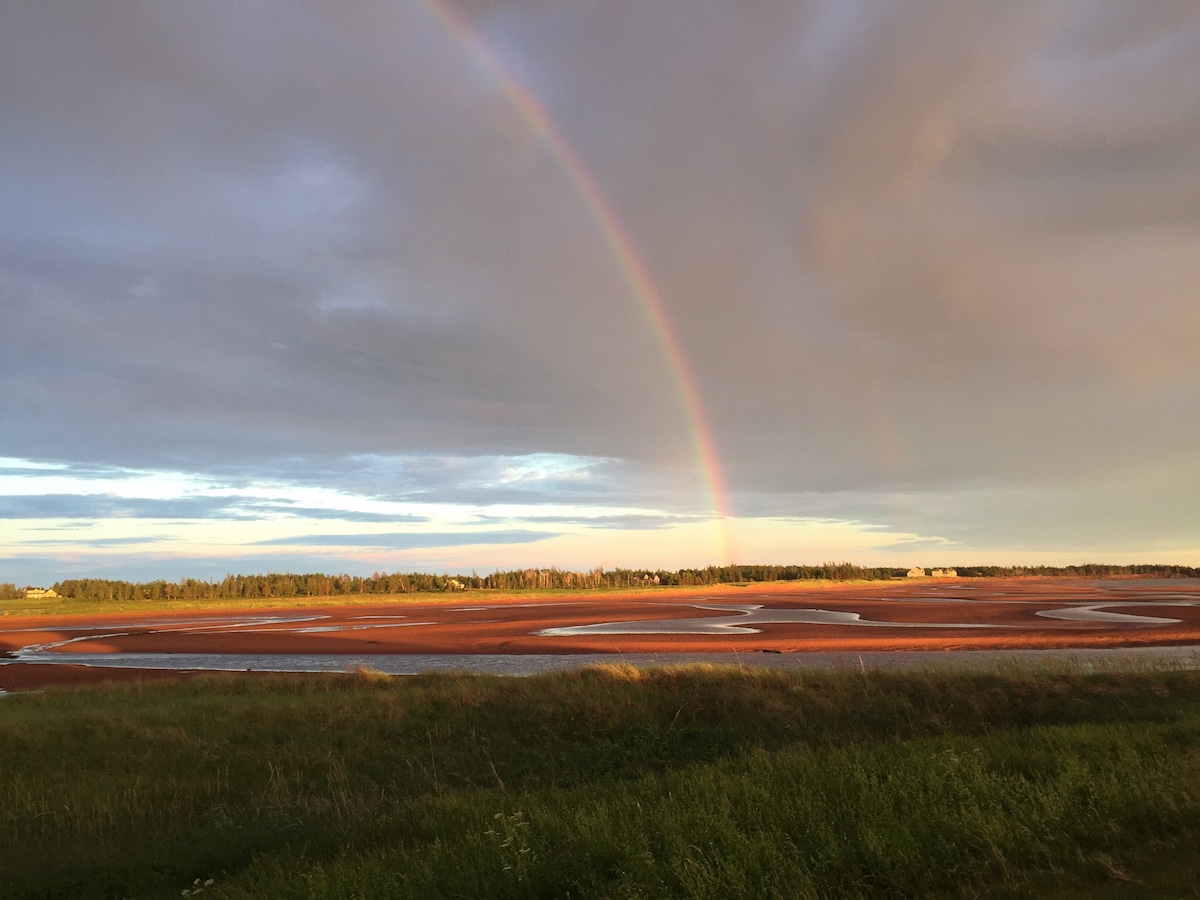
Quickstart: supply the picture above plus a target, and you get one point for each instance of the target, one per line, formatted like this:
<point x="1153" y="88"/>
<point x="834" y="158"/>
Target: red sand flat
<point x="1000" y="613"/>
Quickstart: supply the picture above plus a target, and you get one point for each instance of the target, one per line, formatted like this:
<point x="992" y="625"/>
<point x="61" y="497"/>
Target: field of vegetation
<point x="609" y="782"/>
<point x="243" y="590"/>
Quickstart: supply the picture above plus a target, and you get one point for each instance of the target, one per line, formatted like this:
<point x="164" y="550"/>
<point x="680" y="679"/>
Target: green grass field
<point x="611" y="782"/>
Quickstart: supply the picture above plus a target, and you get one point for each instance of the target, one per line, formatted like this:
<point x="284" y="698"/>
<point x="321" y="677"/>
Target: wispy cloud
<point x="96" y="542"/>
<point x="401" y="540"/>
<point x="623" y="522"/>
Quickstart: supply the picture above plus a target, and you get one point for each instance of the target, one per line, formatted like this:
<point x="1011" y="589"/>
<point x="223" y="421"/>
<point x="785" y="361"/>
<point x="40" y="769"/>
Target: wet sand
<point x="918" y="616"/>
<point x="36" y="676"/>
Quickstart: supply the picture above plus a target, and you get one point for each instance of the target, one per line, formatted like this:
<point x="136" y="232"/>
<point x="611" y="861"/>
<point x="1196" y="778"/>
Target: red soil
<point x="478" y="624"/>
<point x="27" y="677"/>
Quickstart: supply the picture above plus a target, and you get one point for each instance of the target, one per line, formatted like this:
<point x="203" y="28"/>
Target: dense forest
<point x="285" y="585"/>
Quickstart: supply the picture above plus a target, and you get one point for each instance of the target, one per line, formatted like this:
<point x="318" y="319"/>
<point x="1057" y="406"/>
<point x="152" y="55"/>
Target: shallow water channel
<point x="531" y="664"/>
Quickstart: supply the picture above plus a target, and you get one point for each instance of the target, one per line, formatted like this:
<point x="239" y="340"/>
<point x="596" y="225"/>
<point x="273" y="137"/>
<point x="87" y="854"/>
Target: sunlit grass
<point x="612" y="781"/>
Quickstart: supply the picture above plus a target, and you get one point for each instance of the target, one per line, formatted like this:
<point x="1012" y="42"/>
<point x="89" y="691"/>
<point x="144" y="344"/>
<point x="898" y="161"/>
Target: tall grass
<point x="937" y="816"/>
<point x="606" y="782"/>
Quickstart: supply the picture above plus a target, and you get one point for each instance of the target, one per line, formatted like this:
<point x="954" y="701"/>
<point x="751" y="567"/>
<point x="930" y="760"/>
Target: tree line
<point x="284" y="585"/>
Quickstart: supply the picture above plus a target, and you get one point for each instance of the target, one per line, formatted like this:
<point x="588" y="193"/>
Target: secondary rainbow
<point x="635" y="271"/>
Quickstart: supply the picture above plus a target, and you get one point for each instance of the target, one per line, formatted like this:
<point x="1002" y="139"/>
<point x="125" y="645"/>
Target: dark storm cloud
<point x="931" y="250"/>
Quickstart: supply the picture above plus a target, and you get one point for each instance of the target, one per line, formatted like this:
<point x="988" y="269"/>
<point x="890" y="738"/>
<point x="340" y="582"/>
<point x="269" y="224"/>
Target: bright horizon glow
<point x="256" y="527"/>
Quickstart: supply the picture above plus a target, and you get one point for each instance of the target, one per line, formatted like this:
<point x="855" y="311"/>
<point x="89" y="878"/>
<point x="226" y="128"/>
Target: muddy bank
<point x="926" y="616"/>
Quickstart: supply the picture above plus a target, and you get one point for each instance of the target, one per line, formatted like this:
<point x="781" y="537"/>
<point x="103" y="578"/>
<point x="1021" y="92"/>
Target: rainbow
<point x="632" y="266"/>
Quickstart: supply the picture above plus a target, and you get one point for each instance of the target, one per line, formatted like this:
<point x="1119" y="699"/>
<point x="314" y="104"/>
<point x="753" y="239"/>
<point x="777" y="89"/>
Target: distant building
<point x="944" y="573"/>
<point x="40" y="593"/>
<point x="916" y="572"/>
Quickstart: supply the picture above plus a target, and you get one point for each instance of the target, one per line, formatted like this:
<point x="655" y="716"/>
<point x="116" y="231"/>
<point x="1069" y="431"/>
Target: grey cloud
<point x="905" y="248"/>
<point x="910" y="328"/>
<point x="632" y="522"/>
<point x="484" y="479"/>
<point x="411" y="540"/>
<point x="310" y="512"/>
<point x="54" y="466"/>
<point x="1147" y="510"/>
<point x="97" y="542"/>
<point x="262" y="322"/>
<point x="75" y="506"/>
<point x="84" y="507"/>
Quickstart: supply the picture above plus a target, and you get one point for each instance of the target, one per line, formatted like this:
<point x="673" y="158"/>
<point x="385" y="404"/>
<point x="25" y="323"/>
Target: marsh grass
<point x="611" y="781"/>
<point x="65" y="606"/>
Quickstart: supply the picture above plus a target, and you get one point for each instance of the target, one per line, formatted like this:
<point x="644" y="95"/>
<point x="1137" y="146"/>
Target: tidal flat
<point x="610" y="781"/>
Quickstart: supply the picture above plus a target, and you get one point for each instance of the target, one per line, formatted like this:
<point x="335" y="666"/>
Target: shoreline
<point x="785" y="623"/>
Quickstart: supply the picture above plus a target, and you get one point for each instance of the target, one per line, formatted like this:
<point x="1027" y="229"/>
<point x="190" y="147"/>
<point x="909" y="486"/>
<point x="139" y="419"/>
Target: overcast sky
<point x="290" y="286"/>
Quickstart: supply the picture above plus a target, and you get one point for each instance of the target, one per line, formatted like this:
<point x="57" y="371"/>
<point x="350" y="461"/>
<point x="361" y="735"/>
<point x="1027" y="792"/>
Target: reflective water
<point x="531" y="664"/>
<point x="742" y="620"/>
<point x="1096" y="612"/>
